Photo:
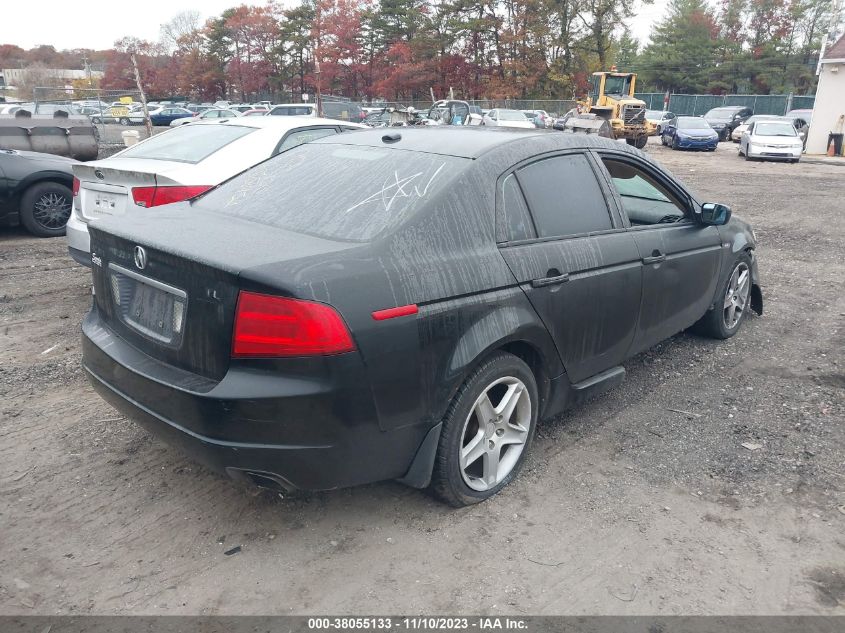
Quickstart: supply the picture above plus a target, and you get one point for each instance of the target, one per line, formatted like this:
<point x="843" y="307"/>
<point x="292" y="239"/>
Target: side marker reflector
<point x="392" y="313"/>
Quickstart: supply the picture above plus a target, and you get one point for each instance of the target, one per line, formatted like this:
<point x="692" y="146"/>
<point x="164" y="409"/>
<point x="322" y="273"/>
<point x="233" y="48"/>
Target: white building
<point x="13" y="76"/>
<point x="830" y="98"/>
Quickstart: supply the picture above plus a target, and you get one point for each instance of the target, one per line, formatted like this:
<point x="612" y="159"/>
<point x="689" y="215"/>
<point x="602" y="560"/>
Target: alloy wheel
<point x="736" y="296"/>
<point x="51" y="211"/>
<point x="495" y="433"/>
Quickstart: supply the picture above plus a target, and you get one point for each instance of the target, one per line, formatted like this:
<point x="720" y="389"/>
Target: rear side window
<point x="517" y="219"/>
<point x="304" y="136"/>
<point x="291" y="111"/>
<point x="337" y="191"/>
<point x="187" y="144"/>
<point x="564" y="196"/>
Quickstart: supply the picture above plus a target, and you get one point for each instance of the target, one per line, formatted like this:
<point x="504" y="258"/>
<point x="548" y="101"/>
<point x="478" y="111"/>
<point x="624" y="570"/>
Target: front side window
<point x="644" y="199"/>
<point x="564" y="196"/>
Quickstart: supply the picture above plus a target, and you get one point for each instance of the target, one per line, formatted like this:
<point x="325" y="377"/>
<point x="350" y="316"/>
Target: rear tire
<point x="46" y="208"/>
<point x="487" y="431"/>
<point x="733" y="301"/>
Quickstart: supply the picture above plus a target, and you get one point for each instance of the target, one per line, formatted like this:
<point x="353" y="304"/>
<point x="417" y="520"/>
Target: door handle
<point x="549" y="281"/>
<point x="656" y="258"/>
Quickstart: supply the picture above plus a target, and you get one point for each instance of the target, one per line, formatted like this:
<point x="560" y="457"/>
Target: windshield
<point x="511" y="115"/>
<point x="692" y="123"/>
<point x="370" y="191"/>
<point x="766" y="128"/>
<point x="616" y="85"/>
<point x="187" y="144"/>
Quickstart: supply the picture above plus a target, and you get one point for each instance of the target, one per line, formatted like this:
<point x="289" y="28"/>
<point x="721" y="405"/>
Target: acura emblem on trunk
<point x="99" y="174"/>
<point x="140" y="257"/>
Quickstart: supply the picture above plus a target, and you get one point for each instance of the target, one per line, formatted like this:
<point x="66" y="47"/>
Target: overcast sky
<point x="67" y="24"/>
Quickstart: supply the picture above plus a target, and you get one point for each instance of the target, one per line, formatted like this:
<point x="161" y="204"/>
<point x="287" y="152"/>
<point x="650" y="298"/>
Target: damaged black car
<point x="410" y="309"/>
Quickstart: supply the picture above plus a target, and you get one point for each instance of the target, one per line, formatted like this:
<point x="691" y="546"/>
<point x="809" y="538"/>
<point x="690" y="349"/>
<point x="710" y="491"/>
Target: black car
<point x="36" y="191"/>
<point x="411" y="316"/>
<point x="726" y="119"/>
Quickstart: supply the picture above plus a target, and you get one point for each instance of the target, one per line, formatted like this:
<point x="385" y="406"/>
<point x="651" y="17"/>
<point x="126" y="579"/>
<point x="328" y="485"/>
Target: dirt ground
<point x="643" y="501"/>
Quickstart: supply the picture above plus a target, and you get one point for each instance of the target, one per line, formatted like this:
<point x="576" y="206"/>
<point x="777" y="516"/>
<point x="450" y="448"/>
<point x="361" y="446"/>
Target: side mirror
<point x="714" y="214"/>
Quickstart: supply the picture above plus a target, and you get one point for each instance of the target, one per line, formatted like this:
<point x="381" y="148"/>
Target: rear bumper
<point x="78" y="238"/>
<point x="294" y="431"/>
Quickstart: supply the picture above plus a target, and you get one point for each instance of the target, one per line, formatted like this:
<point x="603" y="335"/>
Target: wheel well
<point x="531" y="357"/>
<point x="40" y="181"/>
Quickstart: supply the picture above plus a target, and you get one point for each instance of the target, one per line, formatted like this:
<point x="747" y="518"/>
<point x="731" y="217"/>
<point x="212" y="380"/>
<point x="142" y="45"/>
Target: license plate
<point x="151" y="310"/>
<point x="104" y="204"/>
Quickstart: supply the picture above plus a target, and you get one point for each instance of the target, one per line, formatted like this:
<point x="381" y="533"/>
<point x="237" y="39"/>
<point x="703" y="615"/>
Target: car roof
<point x="462" y="141"/>
<point x="276" y="122"/>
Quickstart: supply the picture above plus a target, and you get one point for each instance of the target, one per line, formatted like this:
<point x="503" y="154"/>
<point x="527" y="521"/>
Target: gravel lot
<point x="642" y="501"/>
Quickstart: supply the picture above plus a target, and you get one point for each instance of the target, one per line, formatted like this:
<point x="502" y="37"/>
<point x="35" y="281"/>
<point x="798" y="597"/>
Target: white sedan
<point x="213" y="113"/>
<point x="181" y="164"/>
<point x="499" y="117"/>
<point x="771" y="140"/>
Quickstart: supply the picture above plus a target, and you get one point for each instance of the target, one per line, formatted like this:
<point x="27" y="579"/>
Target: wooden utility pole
<point x="319" y="99"/>
<point x="147" y="122"/>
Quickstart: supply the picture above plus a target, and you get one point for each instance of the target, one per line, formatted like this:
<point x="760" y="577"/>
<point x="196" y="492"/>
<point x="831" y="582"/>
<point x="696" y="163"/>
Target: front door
<point x="578" y="266"/>
<point x="680" y="257"/>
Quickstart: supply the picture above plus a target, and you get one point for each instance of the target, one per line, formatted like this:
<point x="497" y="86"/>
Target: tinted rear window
<point x="292" y="111"/>
<point x="187" y="144"/>
<point x="336" y="191"/>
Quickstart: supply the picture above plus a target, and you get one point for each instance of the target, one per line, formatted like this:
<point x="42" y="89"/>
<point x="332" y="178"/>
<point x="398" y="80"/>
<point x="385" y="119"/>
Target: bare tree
<point x="177" y="30"/>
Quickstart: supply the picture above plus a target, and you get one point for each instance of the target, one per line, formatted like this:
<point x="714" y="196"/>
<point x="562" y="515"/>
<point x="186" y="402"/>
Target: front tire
<point x="45" y="209"/>
<point x="487" y="431"/>
<point x="124" y="121"/>
<point x="732" y="303"/>
<point x="675" y="144"/>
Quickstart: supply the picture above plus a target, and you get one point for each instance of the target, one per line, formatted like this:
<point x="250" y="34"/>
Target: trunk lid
<point x="107" y="190"/>
<point x="176" y="301"/>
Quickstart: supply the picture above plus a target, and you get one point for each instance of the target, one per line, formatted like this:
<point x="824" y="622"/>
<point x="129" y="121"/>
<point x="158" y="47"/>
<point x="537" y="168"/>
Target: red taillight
<point x="156" y="196"/>
<point x="278" y="326"/>
<point x="75" y="189"/>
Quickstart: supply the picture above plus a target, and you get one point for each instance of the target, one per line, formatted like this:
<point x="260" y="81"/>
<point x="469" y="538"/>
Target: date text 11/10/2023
<point x="417" y="623"/>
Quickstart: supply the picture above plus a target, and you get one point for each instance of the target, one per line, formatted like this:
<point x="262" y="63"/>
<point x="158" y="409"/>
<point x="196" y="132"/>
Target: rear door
<point x="572" y="257"/>
<point x="680" y="258"/>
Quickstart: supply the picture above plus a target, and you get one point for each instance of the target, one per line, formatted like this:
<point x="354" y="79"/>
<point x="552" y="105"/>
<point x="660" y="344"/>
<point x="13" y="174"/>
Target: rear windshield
<point x="187" y="144"/>
<point x="334" y="191"/>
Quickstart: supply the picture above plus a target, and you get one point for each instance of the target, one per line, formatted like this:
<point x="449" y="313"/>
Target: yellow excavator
<point x="611" y="98"/>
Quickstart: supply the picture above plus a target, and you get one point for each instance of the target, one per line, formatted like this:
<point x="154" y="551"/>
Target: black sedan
<point x="726" y="119"/>
<point x="411" y="316"/>
<point x="36" y="191"/>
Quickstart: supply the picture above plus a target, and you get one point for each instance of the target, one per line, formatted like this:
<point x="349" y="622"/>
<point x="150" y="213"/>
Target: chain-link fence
<point x="696" y="105"/>
<point x="552" y="106"/>
<point x="112" y="112"/>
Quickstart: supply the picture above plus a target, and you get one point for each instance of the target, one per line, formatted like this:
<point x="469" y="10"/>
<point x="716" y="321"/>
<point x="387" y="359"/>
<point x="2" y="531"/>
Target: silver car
<point x="179" y="165"/>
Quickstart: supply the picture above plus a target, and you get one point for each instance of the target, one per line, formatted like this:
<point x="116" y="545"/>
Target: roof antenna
<point x="394" y="137"/>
